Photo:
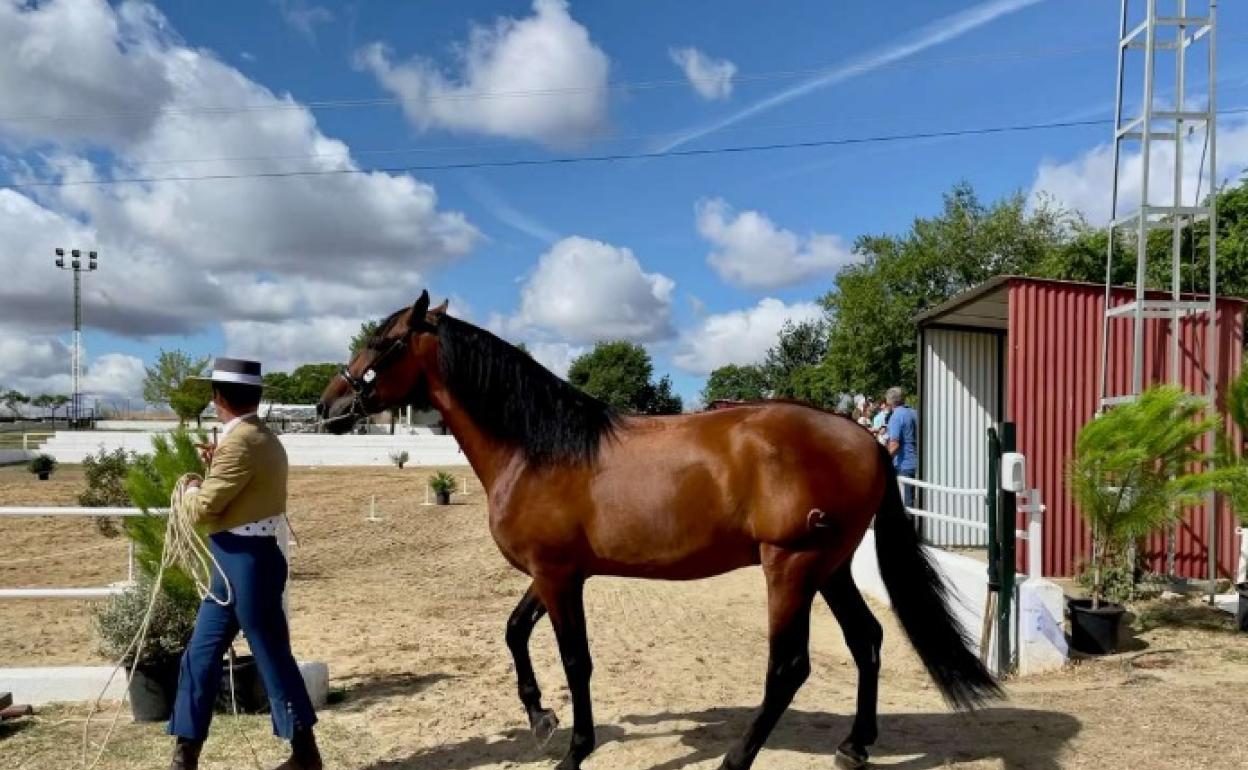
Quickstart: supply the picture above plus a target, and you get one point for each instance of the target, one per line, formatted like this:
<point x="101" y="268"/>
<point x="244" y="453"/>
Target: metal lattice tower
<point x="1175" y="124"/>
<point x="76" y="411"/>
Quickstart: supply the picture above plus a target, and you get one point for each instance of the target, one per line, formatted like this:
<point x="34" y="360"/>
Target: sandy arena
<point x="409" y="614"/>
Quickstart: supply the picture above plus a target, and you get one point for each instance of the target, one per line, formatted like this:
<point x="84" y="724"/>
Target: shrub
<point x="399" y="458"/>
<point x="442" y="482"/>
<point x="106" y="474"/>
<point x="118" y="620"/>
<point x="42" y="464"/>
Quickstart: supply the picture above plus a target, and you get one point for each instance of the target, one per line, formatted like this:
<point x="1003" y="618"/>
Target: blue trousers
<point x="256" y="569"/>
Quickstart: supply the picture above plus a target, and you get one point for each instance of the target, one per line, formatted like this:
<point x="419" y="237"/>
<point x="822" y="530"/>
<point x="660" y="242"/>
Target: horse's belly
<point x="665" y="548"/>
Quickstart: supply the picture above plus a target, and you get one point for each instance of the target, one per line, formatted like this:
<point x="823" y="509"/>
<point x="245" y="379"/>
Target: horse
<point x="576" y="490"/>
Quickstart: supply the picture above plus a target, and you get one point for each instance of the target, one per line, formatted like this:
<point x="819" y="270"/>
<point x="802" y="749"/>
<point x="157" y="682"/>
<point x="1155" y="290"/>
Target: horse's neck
<point x="487" y="456"/>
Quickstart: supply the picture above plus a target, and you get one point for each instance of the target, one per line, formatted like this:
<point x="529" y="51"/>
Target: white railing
<point x="26" y="437"/>
<point x="1028" y="502"/>
<point x="74" y="593"/>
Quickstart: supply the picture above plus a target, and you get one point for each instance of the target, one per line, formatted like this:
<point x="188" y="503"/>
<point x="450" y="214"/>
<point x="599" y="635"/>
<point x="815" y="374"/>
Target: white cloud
<point x="114" y="374"/>
<point x="1083" y="184"/>
<point x="750" y="251"/>
<point x="77" y="59"/>
<point x="711" y="78"/>
<point x="556" y="356"/>
<point x="539" y="78"/>
<point x="180" y="257"/>
<point x="35" y="364"/>
<point x="586" y="291"/>
<point x="940" y="31"/>
<point x="283" y="345"/>
<point x="304" y="18"/>
<point x="738" y="337"/>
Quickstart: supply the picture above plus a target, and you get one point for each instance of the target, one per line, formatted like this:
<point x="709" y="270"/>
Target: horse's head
<point x="390" y="370"/>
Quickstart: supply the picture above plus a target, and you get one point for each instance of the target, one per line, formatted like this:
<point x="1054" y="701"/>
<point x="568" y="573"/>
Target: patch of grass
<point x="1183" y="613"/>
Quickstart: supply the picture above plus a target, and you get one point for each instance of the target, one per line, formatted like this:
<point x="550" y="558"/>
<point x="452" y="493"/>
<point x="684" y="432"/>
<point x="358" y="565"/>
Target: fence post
<point x="1035" y="534"/>
<point x="1007" y="525"/>
<point x="994" y="552"/>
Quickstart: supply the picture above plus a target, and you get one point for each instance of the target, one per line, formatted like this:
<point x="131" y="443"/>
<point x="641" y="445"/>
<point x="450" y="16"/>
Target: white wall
<point x="302" y="449"/>
<point x="14" y="456"/>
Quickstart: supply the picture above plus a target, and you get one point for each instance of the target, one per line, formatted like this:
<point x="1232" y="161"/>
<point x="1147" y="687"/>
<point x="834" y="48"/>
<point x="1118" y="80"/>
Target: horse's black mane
<point x="517" y="401"/>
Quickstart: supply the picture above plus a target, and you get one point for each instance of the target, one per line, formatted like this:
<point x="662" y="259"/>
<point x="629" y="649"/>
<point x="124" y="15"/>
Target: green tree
<point x="170" y="372"/>
<point x="13" y="400"/>
<point x="871" y="336"/>
<point x="799" y="348"/>
<point x="619" y="373"/>
<point x="736" y="383"/>
<point x="190" y="400"/>
<point x="663" y="400"/>
<point x="277" y="387"/>
<point x="367" y="331"/>
<point x="309" y="381"/>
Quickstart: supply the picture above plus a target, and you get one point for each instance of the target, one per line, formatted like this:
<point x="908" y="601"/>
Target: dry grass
<point x="409" y="615"/>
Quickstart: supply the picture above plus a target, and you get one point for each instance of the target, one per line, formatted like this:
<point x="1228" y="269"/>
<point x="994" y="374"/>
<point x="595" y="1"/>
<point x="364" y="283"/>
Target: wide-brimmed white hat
<point x="235" y="370"/>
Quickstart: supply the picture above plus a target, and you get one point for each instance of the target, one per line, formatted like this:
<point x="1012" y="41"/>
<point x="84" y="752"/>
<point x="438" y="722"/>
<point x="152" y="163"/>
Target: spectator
<point x="903" y="428"/>
<point x="879" y="423"/>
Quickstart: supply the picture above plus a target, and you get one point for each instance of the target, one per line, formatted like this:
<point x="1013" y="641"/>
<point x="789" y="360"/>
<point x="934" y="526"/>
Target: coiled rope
<point x="186" y="549"/>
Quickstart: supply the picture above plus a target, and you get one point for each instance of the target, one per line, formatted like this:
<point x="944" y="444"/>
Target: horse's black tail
<point x="920" y="599"/>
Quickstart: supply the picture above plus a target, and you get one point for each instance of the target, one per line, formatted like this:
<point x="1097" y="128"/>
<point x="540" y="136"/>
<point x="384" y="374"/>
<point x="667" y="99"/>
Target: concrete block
<point x="40" y="685"/>
<point x="1042" y="640"/>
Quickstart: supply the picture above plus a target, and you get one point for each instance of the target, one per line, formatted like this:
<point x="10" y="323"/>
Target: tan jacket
<point x="246" y="481"/>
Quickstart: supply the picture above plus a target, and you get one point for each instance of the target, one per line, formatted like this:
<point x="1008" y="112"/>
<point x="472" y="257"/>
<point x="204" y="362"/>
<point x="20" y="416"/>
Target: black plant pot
<point x="1095" y="631"/>
<point x="444" y="498"/>
<point x="43" y="475"/>
<point x="248" y="688"/>
<point x="1241" y="615"/>
<point x="152" y="691"/>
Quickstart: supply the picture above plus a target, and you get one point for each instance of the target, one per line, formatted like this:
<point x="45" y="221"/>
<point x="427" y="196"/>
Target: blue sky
<point x="700" y="258"/>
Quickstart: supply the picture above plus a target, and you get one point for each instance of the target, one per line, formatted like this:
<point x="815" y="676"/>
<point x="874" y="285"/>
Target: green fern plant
<point x="1137" y="465"/>
<point x="149" y="485"/>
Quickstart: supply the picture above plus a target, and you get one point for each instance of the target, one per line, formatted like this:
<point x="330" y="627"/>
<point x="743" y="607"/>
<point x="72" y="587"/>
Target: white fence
<point x="1028" y="502"/>
<point x="74" y="593"/>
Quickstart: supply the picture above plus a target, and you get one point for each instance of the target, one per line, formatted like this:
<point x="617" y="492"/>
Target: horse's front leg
<point x="519" y="628"/>
<point x="564" y="600"/>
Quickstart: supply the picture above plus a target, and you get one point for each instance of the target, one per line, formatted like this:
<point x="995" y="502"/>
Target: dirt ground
<point x="409" y="615"/>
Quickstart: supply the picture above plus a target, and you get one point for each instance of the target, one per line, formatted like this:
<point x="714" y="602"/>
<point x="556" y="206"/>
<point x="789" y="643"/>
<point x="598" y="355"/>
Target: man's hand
<point x="193" y="484"/>
<point x="206" y="451"/>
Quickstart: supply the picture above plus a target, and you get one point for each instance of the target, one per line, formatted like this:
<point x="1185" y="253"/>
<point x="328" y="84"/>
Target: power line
<point x="605" y="158"/>
<point x="463" y="95"/>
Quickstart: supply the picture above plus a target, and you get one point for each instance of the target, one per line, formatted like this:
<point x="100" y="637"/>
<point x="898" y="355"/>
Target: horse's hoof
<point x="544" y="727"/>
<point x="850" y="758"/>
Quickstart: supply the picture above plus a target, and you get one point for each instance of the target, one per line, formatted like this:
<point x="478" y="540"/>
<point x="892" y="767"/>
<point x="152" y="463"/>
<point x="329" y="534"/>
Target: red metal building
<point x="1028" y="351"/>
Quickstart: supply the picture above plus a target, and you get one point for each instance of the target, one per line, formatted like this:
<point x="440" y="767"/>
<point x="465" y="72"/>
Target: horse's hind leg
<point x="791" y="584"/>
<point x="863" y="637"/>
<point x="564" y="600"/>
<point x="519" y="628"/>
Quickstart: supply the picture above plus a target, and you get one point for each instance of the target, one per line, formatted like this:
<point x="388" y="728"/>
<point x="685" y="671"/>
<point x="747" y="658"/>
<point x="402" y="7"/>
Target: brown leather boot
<point x="186" y="755"/>
<point x="304" y="755"/>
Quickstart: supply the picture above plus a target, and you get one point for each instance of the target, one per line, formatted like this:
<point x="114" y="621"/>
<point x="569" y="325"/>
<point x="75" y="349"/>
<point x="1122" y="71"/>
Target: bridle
<point x="362" y="387"/>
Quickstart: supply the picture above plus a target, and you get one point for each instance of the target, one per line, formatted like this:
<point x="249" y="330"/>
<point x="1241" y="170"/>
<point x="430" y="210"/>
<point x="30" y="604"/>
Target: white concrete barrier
<point x="1041" y="601"/>
<point x="40" y="685"/>
<point x="15" y="456"/>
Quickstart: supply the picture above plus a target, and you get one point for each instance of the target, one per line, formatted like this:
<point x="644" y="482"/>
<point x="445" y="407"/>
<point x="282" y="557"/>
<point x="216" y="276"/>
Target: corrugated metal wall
<point x="960" y="398"/>
<point x="1052" y="365"/>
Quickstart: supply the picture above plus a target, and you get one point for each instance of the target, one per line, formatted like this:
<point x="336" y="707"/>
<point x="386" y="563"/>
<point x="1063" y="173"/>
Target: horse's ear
<point x="419" y="308"/>
<point x="441" y="309"/>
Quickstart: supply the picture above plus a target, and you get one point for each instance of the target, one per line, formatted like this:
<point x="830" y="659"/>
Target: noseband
<point x="363" y="386"/>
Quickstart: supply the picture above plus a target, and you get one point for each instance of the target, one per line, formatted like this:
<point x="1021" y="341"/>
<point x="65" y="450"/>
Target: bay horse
<point x="577" y="490"/>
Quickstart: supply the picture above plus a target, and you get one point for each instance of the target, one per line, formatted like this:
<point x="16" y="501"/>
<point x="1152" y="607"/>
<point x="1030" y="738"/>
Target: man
<point x="240" y="503"/>
<point x="903" y="429"/>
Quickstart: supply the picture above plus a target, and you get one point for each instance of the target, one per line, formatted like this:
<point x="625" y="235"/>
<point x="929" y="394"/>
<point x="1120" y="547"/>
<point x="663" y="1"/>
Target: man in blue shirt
<point x="903" y="429"/>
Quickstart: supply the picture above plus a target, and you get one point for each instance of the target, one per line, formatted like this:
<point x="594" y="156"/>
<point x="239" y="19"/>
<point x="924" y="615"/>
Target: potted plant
<point x="42" y="466"/>
<point x="154" y="682"/>
<point x="1231" y="455"/>
<point x="442" y="484"/>
<point x="149" y="481"/>
<point x="399" y="458"/>
<point x="1134" y="468"/>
